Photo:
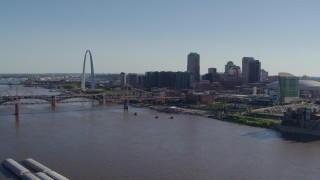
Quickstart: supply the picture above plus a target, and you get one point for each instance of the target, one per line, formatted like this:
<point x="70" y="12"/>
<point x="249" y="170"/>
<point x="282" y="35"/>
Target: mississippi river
<point x="93" y="141"/>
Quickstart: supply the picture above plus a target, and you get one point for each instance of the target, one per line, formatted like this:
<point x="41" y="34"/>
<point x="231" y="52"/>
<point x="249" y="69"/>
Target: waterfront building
<point x="194" y="66"/>
<point x="251" y="70"/>
<point x="299" y="117"/>
<point x="304" y="120"/>
<point x="289" y="87"/>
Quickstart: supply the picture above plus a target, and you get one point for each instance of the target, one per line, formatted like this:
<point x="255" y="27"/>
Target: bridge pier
<point x="53" y="101"/>
<point x="125" y="104"/>
<point x="16" y="106"/>
<point x="103" y="99"/>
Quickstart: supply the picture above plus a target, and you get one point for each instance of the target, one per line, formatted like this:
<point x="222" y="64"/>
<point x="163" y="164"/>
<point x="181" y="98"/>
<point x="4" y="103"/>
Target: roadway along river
<point x="92" y="141"/>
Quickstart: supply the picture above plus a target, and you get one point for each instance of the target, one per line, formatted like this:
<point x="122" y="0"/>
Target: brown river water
<point x="93" y="141"/>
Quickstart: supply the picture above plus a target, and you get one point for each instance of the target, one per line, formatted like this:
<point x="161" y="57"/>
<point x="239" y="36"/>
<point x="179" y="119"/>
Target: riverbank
<point x="240" y="119"/>
<point x="249" y="121"/>
<point x="178" y="110"/>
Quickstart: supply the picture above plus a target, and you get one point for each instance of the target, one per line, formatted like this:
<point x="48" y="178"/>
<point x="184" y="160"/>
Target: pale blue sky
<point x="39" y="36"/>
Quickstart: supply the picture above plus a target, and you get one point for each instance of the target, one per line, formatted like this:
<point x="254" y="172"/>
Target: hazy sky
<point x="39" y="36"/>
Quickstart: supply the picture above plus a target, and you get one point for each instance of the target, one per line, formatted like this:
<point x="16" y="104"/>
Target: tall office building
<point x="227" y="67"/>
<point x="230" y="69"/>
<point x="132" y="79"/>
<point x="245" y="68"/>
<point x="194" y="66"/>
<point x="251" y="70"/>
<point x="166" y="79"/>
<point x="289" y="87"/>
<point x="123" y="80"/>
<point x="183" y="80"/>
<point x="254" y="71"/>
<point x="151" y="79"/>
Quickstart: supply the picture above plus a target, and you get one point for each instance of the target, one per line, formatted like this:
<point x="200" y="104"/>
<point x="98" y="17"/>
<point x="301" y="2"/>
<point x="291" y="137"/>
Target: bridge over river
<point x="124" y="98"/>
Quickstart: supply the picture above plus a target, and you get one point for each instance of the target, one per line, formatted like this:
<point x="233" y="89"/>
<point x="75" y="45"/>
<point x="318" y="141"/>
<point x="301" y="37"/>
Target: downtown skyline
<point x="52" y="37"/>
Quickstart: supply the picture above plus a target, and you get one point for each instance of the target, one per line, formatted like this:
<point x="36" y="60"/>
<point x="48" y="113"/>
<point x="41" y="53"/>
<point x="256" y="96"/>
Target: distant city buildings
<point x="227" y="67"/>
<point x="166" y="79"/>
<point x="231" y="69"/>
<point x="132" y="79"/>
<point x="264" y="75"/>
<point x="194" y="66"/>
<point x="183" y="80"/>
<point x="231" y="79"/>
<point x="254" y="71"/>
<point x="230" y="82"/>
<point x="123" y="79"/>
<point x="284" y="88"/>
<point x="150" y="80"/>
<point x="245" y="68"/>
<point x="251" y="70"/>
<point x="212" y="70"/>
<point x="235" y="71"/>
<point x="211" y="76"/>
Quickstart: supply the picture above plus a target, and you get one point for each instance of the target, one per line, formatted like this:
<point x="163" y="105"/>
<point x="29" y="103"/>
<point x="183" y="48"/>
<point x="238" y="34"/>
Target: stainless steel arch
<point x="83" y="87"/>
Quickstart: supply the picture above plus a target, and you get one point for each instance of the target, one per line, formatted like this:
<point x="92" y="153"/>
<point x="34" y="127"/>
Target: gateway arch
<point x="83" y="87"/>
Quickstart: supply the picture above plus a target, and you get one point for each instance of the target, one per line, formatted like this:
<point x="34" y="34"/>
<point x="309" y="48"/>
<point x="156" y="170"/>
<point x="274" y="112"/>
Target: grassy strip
<point x="68" y="86"/>
<point x="249" y="121"/>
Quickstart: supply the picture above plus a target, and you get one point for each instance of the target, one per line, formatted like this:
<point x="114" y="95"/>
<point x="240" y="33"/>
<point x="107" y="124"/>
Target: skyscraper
<point x="289" y="87"/>
<point x="254" y="71"/>
<point x="123" y="80"/>
<point x="251" y="70"/>
<point x="194" y="66"/>
<point x="231" y="69"/>
<point x="245" y="68"/>
<point x="227" y="67"/>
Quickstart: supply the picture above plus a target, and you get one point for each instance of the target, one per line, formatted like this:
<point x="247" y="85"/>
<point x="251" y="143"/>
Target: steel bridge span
<point x="41" y="99"/>
<point x="101" y="98"/>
